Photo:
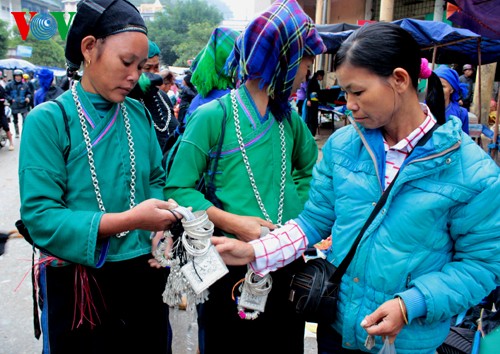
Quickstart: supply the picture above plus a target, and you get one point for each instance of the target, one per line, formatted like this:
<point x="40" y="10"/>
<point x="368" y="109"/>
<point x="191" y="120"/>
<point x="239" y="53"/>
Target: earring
<point x="87" y="63"/>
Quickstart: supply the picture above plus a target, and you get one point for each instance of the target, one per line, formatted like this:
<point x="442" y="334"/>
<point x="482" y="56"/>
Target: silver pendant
<point x="203" y="271"/>
<point x="254" y="291"/>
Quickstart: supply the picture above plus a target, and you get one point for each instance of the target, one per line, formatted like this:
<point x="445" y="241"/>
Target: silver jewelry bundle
<point x="194" y="262"/>
<point x="254" y="291"/>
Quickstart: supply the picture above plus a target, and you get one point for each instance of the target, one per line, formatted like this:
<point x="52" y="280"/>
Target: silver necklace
<point x="249" y="169"/>
<point x="169" y="114"/>
<point x="90" y="154"/>
<point x="254" y="291"/>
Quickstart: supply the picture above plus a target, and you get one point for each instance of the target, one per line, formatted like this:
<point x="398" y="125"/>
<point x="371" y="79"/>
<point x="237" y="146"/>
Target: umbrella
<point x="13" y="63"/>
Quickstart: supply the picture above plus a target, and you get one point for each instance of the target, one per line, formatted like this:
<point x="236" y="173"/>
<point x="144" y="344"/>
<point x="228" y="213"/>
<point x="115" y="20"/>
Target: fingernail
<point x="363" y="323"/>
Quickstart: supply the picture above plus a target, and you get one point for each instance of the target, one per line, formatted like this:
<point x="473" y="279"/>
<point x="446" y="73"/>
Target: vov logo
<point x="43" y="26"/>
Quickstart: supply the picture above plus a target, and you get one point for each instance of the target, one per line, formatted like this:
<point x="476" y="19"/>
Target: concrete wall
<point x="348" y="11"/>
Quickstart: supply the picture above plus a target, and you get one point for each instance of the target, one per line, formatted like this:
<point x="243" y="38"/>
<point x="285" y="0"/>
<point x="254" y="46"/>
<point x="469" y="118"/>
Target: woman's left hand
<point x="154" y="245"/>
<point x="387" y="320"/>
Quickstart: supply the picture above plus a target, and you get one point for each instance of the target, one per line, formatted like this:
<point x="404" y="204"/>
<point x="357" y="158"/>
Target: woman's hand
<point x="151" y="214"/>
<point x="387" y="320"/>
<point x="154" y="214"/>
<point x="249" y="228"/>
<point x="233" y="251"/>
<point x="154" y="245"/>
<point x="245" y="228"/>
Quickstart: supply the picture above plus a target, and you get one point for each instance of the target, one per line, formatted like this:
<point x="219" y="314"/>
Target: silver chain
<point x="90" y="154"/>
<point x="249" y="169"/>
<point x="169" y="114"/>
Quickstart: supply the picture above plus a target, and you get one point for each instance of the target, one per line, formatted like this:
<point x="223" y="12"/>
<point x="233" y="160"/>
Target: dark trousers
<point x="330" y="342"/>
<point x="276" y="330"/>
<point x="300" y="105"/>
<point x="312" y="117"/>
<point x="128" y="313"/>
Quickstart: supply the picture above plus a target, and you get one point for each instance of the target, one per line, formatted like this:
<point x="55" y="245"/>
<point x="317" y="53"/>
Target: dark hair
<point x="434" y="98"/>
<point x="382" y="47"/>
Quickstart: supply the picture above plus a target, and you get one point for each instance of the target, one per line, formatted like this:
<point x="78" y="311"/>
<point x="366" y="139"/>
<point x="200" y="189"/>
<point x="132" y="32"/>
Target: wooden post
<point x="434" y="52"/>
<point x="320" y="16"/>
<point x="386" y="10"/>
<point x="438" y="10"/>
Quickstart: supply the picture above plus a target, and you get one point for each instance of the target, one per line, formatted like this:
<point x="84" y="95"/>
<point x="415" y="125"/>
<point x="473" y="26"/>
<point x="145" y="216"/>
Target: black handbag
<point x="314" y="289"/>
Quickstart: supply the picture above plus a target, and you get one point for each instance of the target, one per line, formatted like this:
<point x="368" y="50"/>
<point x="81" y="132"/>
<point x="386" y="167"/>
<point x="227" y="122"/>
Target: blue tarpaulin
<point x="452" y="45"/>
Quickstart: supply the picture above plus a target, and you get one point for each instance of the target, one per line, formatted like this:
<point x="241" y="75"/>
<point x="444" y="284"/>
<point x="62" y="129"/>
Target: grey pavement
<point x="16" y="307"/>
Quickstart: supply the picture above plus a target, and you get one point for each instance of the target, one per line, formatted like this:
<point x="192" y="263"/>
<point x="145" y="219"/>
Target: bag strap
<point x="66" y="127"/>
<point x="221" y="141"/>
<point x="215" y="160"/>
<point x="341" y="269"/>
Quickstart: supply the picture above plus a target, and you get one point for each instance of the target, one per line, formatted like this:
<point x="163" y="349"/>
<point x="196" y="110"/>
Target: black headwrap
<point x="100" y="18"/>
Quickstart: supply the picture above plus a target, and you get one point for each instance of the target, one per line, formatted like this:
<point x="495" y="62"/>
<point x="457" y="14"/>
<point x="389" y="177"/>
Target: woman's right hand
<point x="154" y="214"/>
<point x="245" y="228"/>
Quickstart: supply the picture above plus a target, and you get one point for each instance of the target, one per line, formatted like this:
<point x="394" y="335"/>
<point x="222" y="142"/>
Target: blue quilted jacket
<point x="439" y="230"/>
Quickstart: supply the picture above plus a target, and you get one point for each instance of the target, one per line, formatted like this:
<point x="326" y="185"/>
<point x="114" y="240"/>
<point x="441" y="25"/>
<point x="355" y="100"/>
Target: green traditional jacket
<point x="261" y="137"/>
<point x="58" y="199"/>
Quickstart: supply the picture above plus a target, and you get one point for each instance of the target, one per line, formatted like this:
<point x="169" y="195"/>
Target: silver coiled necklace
<point x="162" y="118"/>
<point x="90" y="154"/>
<point x="249" y="169"/>
<point x="255" y="289"/>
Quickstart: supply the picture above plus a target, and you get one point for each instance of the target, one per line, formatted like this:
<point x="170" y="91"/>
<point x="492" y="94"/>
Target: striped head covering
<point x="208" y="66"/>
<point x="100" y="18"/>
<point x="271" y="49"/>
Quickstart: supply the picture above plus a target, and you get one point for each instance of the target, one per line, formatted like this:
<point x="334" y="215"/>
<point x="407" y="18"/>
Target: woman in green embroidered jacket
<point x="94" y="209"/>
<point x="279" y="152"/>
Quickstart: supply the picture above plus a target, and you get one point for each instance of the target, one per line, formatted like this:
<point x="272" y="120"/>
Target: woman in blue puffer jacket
<point x="433" y="250"/>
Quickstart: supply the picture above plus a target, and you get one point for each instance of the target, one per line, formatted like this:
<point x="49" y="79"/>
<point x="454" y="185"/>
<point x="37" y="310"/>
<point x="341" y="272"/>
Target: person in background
<point x="19" y="96"/>
<point x="313" y="89"/>
<point x="453" y="89"/>
<point x="69" y="79"/>
<point x="2" y="80"/>
<point x="48" y="90"/>
<point x="209" y="78"/>
<point x="467" y="78"/>
<point x="153" y="63"/>
<point x="154" y="99"/>
<point x="436" y="233"/>
<point x="302" y="94"/>
<point x="31" y="85"/>
<point x="4" y="121"/>
<point x="186" y="96"/>
<point x="270" y="58"/>
<point x="91" y="195"/>
<point x="168" y="82"/>
<point x="492" y="115"/>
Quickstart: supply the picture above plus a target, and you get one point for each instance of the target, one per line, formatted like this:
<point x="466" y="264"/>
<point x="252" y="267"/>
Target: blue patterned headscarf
<point x="271" y="49"/>
<point x="450" y="75"/>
